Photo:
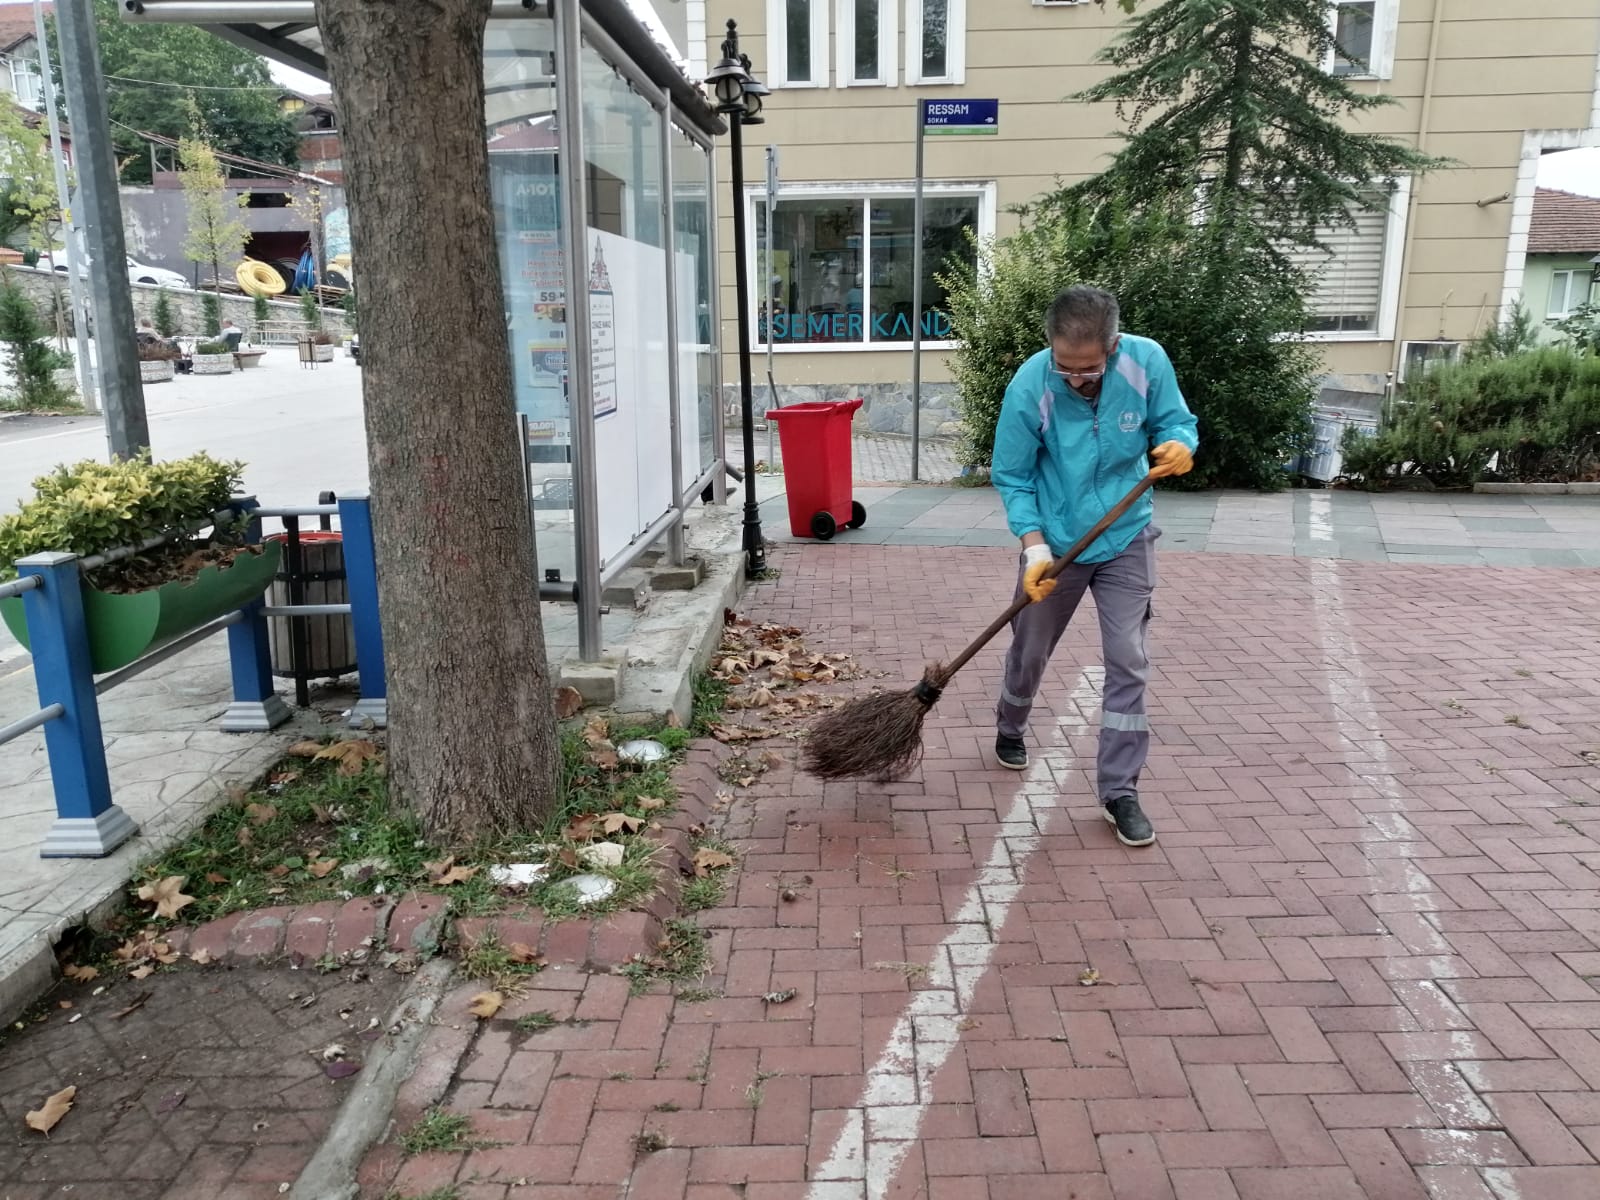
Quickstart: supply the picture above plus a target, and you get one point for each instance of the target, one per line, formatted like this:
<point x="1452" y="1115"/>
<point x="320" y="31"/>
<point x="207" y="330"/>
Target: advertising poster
<point x="603" y="333"/>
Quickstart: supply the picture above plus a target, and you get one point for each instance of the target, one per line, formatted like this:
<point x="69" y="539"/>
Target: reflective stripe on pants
<point x="1122" y="589"/>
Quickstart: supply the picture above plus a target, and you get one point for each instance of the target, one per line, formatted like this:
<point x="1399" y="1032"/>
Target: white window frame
<point x="1385" y="30"/>
<point x="988" y="195"/>
<point x="778" y="40"/>
<point x="955" y="50"/>
<point x="22" y="67"/>
<point x="1394" y="242"/>
<point x="1582" y="299"/>
<point x="888" y="43"/>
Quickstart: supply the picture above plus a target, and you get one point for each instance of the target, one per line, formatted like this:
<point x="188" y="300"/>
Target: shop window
<point x="936" y="41"/>
<point x="1363" y="35"/>
<point x="798" y="33"/>
<point x="867" y="36"/>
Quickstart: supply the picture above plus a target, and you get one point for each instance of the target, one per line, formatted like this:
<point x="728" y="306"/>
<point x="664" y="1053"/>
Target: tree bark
<point x="472" y="736"/>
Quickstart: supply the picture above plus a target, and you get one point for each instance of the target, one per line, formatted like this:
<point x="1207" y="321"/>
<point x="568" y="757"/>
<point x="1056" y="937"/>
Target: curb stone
<point x="366" y="1114"/>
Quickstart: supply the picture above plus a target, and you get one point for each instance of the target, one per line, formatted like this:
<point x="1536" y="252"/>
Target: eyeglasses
<point x="1081" y="376"/>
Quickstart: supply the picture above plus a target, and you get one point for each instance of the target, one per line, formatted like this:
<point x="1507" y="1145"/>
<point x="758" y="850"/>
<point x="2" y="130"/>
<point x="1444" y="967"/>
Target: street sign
<point x="961" y="118"/>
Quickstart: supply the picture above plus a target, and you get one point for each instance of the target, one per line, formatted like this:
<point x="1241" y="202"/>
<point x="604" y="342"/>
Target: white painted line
<point x="880" y="1131"/>
<point x="1321" y="516"/>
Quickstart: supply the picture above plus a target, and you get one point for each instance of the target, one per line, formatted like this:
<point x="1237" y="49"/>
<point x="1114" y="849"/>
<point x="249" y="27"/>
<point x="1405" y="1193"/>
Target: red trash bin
<point x="817" y="468"/>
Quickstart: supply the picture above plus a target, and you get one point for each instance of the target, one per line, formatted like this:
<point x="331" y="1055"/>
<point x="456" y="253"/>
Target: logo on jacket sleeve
<point x="1130" y="422"/>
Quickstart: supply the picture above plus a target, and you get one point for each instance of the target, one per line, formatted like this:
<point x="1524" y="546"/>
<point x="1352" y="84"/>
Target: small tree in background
<point x="29" y="359"/>
<point x="216" y="231"/>
<point x="261" y="312"/>
<point x="349" y="306"/>
<point x="165" y="322"/>
<point x="210" y="314"/>
<point x="1229" y="100"/>
<point x="310" y="309"/>
<point x="29" y="201"/>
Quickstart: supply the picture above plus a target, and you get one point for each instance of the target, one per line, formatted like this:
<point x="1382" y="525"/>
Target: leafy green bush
<point x="1217" y="299"/>
<point x="29" y="358"/>
<point x="165" y="322"/>
<point x="1532" y="417"/>
<point x="1517" y="334"/>
<point x="349" y="306"/>
<point x="210" y="313"/>
<point x="260" y="311"/>
<point x="310" y="309"/>
<point x="92" y="507"/>
<point x="211" y="348"/>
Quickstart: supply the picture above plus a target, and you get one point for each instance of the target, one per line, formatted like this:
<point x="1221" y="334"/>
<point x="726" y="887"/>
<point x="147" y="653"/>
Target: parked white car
<point x="138" y="272"/>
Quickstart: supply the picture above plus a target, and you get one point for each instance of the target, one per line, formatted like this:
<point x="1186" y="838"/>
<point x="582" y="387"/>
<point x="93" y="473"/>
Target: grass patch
<point x="710" y="699"/>
<point x="683" y="957"/>
<point x="449" y="1192"/>
<point x="490" y="959"/>
<point x="536" y="1022"/>
<point x="437" y="1129"/>
<point x="704" y="892"/>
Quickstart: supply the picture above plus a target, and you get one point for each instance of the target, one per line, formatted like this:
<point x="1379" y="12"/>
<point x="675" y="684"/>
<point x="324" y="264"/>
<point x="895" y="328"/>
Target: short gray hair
<point x="1083" y="314"/>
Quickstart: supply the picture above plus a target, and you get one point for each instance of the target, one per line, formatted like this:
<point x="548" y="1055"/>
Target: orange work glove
<point x="1036" y="561"/>
<point x="1171" y="458"/>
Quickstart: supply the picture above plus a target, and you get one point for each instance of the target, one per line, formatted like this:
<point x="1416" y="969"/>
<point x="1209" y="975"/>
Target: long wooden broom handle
<point x="1060" y="565"/>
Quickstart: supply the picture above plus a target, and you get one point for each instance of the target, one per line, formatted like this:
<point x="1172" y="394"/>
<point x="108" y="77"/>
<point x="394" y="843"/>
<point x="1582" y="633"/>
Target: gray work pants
<point x="1122" y="589"/>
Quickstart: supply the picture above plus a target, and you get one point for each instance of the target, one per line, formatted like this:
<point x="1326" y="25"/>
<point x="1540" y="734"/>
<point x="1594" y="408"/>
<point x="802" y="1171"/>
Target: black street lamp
<point x="739" y="95"/>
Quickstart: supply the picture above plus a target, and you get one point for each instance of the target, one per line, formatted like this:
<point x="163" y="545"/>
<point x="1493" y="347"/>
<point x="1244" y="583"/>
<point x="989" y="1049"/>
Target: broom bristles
<point x="876" y="737"/>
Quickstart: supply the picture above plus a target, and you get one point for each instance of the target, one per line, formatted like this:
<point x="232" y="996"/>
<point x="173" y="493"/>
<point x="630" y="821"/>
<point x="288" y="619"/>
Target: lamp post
<point x="739" y="95"/>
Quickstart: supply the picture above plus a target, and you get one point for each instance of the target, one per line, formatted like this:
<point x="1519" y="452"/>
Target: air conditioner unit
<point x="1418" y="358"/>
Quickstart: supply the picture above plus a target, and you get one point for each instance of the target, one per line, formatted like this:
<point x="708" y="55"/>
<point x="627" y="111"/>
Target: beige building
<point x="1491" y="85"/>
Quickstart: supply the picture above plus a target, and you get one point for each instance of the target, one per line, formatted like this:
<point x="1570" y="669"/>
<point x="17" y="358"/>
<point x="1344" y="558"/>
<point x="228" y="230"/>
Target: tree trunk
<point x="473" y="745"/>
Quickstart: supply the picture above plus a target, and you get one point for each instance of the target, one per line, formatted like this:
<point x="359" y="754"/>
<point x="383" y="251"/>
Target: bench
<point x="247" y="358"/>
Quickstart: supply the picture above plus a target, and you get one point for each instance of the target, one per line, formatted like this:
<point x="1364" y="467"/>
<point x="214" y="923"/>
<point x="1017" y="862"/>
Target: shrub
<point x="166" y="322"/>
<point x="310" y="309"/>
<point x="92" y="507"/>
<point x="349" y="306"/>
<point x="260" y="311"/>
<point x="29" y="358"/>
<point x="1217" y="299"/>
<point x="210" y="314"/>
<point x="1531" y="417"/>
<point x="159" y="352"/>
<point x="212" y="348"/>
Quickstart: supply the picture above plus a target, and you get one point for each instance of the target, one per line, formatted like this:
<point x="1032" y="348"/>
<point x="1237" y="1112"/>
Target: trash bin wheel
<point x="858" y="515"/>
<point x="823" y="526"/>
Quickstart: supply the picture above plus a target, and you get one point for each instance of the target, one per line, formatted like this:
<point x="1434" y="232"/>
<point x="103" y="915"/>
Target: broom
<point x="880" y="736"/>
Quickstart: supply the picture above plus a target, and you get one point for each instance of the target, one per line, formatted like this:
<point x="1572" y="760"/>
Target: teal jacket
<point x="1061" y="462"/>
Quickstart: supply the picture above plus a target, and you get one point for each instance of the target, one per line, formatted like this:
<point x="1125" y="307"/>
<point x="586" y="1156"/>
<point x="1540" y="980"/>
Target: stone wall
<point x="40" y="286"/>
<point x="887" y="408"/>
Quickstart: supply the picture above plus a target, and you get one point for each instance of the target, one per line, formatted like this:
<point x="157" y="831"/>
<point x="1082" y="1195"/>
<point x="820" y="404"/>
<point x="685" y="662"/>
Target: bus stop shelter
<point x="616" y="311"/>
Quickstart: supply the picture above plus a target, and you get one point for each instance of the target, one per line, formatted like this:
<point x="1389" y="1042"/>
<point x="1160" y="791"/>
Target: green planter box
<point x="123" y="628"/>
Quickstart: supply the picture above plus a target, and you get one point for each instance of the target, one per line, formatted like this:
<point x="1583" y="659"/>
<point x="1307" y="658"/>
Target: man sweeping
<point x="1075" y="434"/>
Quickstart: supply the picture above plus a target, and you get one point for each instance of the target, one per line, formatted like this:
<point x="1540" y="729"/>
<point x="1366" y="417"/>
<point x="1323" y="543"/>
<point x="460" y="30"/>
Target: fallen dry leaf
<point x="783" y="997"/>
<point x="323" y="815"/>
<point x="203" y="956"/>
<point x="305" y="750"/>
<point x="485" y="1004"/>
<point x="707" y="860"/>
<point x="351" y="754"/>
<point x="260" y="814"/>
<point x="651" y="803"/>
<point x="216" y="877"/>
<point x="244" y="836"/>
<point x="167" y="895"/>
<point x="524" y="954"/>
<point x="48" y="1115"/>
<point x="568" y="701"/>
<point x="439" y="865"/>
<point x="615" y="821"/>
<point x="279" y="871"/>
<point x="584" y="829"/>
<point x="673" y="720"/>
<point x="597" y="732"/>
<point x="80" y="974"/>
<point x="606" y="760"/>
<point x="1088" y="977"/>
<point x="322" y="867"/>
<point x="454" y="876"/>
<point x="143" y="972"/>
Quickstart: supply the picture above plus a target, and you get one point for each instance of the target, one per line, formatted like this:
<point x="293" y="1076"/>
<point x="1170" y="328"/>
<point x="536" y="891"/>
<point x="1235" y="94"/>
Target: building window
<point x="799" y="35"/>
<point x="1569" y="291"/>
<point x="25" y="85"/>
<point x="1356" y="280"/>
<point x="841" y="271"/>
<point x="867" y="36"/>
<point x="1363" y="35"/>
<point x="936" y="41"/>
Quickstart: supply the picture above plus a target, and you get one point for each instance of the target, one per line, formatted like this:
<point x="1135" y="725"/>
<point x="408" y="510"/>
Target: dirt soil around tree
<point x="195" y="1083"/>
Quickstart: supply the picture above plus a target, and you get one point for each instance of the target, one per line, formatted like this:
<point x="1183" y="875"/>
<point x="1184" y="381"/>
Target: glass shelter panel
<point x="692" y="216"/>
<point x="520" y="123"/>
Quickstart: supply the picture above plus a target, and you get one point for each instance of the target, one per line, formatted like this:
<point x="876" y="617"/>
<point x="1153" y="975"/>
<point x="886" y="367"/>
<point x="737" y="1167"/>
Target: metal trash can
<point x="328" y="644"/>
<point x="1325" y="460"/>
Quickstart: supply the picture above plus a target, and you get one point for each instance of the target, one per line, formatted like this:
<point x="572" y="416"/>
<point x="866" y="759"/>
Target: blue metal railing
<point x="88" y="823"/>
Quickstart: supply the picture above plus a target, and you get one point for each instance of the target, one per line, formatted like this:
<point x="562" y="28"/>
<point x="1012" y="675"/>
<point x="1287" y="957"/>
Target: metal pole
<point x="766" y="288"/>
<point x="916" y="303"/>
<point x="755" y="550"/>
<point x="669" y="218"/>
<point x="127" y="430"/>
<point x="80" y="327"/>
<point x="580" y="366"/>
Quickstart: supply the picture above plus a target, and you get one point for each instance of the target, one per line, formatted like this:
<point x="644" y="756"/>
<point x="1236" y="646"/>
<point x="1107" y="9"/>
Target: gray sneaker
<point x="1012" y="752"/>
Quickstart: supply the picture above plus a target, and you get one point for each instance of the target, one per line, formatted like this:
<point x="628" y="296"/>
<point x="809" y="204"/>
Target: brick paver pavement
<point x="1360" y="962"/>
